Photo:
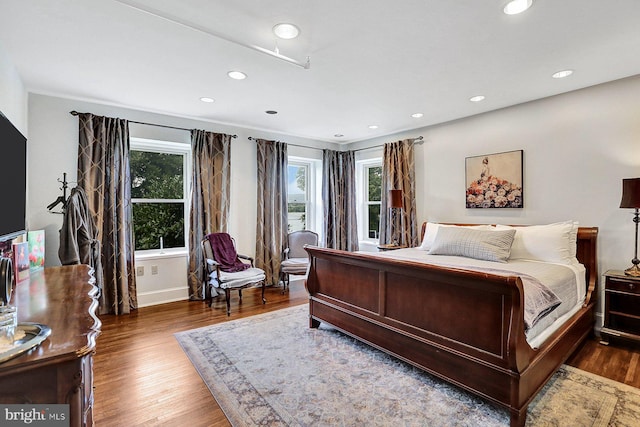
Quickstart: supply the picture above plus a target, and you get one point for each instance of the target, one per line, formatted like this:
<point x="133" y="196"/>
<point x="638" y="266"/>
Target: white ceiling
<point x="371" y="61"/>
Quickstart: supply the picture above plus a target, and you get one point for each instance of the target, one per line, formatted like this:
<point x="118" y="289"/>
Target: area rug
<point x="273" y="370"/>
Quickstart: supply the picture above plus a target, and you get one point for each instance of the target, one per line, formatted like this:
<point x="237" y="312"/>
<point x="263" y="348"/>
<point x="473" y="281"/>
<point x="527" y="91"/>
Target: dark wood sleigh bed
<point x="462" y="326"/>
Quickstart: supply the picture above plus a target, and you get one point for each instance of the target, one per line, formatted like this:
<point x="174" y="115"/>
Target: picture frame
<point x="494" y="180"/>
<point x="21" y="261"/>
<point x="36" y="249"/>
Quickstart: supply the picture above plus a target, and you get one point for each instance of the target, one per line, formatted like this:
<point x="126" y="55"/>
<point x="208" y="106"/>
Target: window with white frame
<point x="303" y="194"/>
<point x="160" y="179"/>
<point x="297" y="196"/>
<point x="370" y="189"/>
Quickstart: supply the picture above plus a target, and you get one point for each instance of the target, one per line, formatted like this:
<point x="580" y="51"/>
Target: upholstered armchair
<point x="225" y="270"/>
<point x="295" y="259"/>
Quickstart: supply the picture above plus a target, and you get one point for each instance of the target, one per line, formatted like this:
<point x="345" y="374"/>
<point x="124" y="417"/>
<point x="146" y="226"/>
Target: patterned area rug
<point x="273" y="370"/>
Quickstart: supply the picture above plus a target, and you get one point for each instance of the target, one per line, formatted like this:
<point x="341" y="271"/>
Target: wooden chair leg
<point x="264" y="301"/>
<point x="283" y="277"/>
<point x="208" y="293"/>
<point x="227" y="294"/>
<point x="240" y="295"/>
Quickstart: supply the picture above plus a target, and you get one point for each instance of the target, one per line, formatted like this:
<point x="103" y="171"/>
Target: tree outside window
<point x="158" y="197"/>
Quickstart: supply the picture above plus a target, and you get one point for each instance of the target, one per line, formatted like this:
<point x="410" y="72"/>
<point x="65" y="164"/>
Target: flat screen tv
<point x="13" y="166"/>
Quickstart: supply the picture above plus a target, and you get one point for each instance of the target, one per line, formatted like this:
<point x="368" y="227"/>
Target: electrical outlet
<point x="140" y="271"/>
<point x="154" y="269"/>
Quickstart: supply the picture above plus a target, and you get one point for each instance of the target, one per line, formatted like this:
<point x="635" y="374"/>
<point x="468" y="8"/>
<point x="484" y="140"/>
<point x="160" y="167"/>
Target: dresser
<point x="60" y="370"/>
<point x="621" y="307"/>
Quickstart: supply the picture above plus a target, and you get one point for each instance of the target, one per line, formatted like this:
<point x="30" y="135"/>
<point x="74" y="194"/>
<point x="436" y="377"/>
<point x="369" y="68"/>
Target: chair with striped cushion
<point x="225" y="270"/>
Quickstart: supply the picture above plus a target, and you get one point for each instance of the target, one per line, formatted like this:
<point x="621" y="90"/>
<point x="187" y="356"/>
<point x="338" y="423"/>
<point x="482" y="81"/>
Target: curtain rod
<point x="75" y="113"/>
<point x="293" y="145"/>
<point x="417" y="140"/>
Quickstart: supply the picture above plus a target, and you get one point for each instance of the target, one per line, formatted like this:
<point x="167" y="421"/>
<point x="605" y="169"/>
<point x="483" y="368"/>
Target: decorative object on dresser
<point x="61" y="370"/>
<point x="621" y="307"/>
<point x="631" y="199"/>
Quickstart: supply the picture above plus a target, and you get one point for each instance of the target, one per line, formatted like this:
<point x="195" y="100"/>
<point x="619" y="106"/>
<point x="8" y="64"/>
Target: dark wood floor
<point x="143" y="378"/>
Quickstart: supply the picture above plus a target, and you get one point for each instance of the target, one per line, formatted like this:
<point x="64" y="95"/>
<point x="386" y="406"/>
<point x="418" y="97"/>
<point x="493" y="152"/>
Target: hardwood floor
<point x="143" y="378"/>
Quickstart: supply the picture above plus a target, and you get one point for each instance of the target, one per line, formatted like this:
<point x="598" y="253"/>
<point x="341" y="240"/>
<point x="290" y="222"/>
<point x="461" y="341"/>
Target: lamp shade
<point x="630" y="193"/>
<point x="395" y="198"/>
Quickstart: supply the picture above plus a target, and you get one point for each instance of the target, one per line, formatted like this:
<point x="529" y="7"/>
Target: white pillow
<point x="550" y="243"/>
<point x="573" y="240"/>
<point x="432" y="230"/>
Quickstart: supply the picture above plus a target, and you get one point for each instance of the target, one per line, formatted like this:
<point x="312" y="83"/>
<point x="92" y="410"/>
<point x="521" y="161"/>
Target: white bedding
<point x="567" y="281"/>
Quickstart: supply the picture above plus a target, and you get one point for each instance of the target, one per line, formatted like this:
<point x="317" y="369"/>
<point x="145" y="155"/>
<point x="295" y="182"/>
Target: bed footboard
<point x="464" y="327"/>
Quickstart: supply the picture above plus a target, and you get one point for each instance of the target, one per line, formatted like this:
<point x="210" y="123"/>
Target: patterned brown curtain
<point x="271" y="232"/>
<point x="103" y="173"/>
<point x="398" y="173"/>
<point x="339" y="199"/>
<point x="210" y="186"/>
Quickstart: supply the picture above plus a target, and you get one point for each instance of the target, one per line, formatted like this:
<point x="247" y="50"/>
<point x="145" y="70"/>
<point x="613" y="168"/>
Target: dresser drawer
<point x="622" y="285"/>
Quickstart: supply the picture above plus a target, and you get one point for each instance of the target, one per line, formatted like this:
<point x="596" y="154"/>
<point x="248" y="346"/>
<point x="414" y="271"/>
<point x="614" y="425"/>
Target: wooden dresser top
<point x="65" y="299"/>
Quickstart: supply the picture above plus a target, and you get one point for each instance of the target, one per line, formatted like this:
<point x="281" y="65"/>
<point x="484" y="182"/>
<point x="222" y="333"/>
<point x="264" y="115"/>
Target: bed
<point x="464" y="326"/>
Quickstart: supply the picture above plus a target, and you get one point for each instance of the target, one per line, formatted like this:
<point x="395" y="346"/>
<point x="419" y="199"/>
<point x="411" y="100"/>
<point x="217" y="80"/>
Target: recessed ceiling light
<point x="286" y="31"/>
<point x="517" y="6"/>
<point x="271" y="112"/>
<point x="373" y="126"/>
<point x="477" y="98"/>
<point x="206" y="99"/>
<point x="417" y="115"/>
<point x="562" y="74"/>
<point x="237" y="75"/>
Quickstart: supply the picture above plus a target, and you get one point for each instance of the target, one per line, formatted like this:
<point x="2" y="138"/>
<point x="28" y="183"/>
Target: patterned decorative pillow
<point x="471" y="243"/>
<point x="432" y="230"/>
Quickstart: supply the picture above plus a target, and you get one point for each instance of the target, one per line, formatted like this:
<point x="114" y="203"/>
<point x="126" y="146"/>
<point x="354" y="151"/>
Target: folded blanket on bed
<point x="539" y="300"/>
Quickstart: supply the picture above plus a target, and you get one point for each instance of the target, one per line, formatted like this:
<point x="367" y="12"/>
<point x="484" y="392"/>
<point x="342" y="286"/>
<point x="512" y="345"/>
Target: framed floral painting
<point x="494" y="180"/>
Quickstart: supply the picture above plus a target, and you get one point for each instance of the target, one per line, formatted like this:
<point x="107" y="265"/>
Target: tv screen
<point x="13" y="166"/>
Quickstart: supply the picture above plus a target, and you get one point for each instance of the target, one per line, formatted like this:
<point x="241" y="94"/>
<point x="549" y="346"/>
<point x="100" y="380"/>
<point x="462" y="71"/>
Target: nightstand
<point x="621" y="307"/>
<point x="390" y="247"/>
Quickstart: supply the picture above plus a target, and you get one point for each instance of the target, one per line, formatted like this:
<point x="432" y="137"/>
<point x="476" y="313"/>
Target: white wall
<point x="53" y="145"/>
<point x="13" y="96"/>
<point x="577" y="149"/>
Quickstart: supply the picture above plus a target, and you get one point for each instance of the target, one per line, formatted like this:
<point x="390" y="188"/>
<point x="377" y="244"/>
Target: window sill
<point x="167" y="253"/>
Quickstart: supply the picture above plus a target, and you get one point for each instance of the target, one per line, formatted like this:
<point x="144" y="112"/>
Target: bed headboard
<point x="586" y="253"/>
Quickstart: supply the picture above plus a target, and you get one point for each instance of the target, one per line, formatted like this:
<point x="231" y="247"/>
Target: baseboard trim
<point x="164" y="296"/>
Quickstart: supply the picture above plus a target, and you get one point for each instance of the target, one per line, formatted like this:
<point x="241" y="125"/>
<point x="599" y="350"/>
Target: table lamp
<point x="395" y="202"/>
<point x="631" y="199"/>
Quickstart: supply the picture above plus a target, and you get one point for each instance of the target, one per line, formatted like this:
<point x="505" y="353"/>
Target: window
<point x="369" y="176"/>
<point x="298" y="196"/>
<point x="160" y="175"/>
<point x="374" y="199"/>
<point x="303" y="194"/>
